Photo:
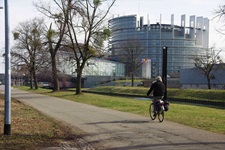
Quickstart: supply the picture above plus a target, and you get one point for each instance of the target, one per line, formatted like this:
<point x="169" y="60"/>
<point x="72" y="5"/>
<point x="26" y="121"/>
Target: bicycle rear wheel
<point x="161" y="115"/>
<point x="151" y="113"/>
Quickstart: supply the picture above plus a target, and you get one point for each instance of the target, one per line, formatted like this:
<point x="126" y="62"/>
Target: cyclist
<point x="158" y="89"/>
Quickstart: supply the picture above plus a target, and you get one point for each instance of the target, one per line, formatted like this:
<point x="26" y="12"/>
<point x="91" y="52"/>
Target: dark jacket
<point x="158" y="89"/>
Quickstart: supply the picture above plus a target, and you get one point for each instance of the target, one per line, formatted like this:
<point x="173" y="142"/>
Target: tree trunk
<point x="208" y="81"/>
<point x="132" y="79"/>
<point x="31" y="80"/>
<point x="78" y="83"/>
<point x="55" y="80"/>
<point x="35" y="80"/>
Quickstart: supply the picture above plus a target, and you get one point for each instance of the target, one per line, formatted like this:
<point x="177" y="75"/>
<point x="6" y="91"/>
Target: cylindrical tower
<point x="183" y="42"/>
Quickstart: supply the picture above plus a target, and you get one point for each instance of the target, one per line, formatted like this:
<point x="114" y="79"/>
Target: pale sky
<point x="23" y="10"/>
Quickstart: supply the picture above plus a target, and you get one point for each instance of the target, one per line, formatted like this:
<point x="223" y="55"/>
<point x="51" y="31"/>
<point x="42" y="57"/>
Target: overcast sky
<point x="23" y="10"/>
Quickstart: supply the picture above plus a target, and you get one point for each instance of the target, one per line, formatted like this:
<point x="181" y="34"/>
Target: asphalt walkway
<point x="120" y="130"/>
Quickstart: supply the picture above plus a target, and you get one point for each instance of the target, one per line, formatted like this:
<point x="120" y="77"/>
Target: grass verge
<point x="30" y="129"/>
<point x="202" y="117"/>
<point x="193" y="94"/>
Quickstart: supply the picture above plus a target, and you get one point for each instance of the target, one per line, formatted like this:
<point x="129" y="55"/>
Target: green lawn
<point x="202" y="117"/>
<point x="193" y="94"/>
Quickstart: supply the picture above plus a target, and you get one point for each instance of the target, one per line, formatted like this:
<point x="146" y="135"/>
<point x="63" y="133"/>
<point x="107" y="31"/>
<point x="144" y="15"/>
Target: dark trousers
<point x="155" y="100"/>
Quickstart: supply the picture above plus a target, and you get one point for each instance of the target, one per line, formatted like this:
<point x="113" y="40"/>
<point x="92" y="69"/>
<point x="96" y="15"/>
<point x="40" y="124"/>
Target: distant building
<point x="183" y="41"/>
<point x="94" y="66"/>
<point x="95" y="72"/>
<point x="2" y="78"/>
<point x="194" y="78"/>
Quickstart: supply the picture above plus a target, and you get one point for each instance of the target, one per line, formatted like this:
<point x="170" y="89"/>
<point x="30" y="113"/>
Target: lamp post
<point x="7" y="118"/>
<point x="164" y="70"/>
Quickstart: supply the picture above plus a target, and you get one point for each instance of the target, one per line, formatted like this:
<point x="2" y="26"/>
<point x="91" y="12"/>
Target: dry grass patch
<point x="31" y="129"/>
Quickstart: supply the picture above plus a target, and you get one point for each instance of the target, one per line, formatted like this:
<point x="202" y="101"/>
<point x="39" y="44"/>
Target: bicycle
<point x="159" y="110"/>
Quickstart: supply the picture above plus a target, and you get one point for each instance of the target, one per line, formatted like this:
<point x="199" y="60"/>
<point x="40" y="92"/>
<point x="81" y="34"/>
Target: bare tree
<point x="28" y="49"/>
<point x="82" y="24"/>
<point x="54" y="43"/>
<point x="220" y="14"/>
<point x="85" y="29"/>
<point x="87" y="17"/>
<point x="207" y="62"/>
<point x="55" y="36"/>
<point x="129" y="54"/>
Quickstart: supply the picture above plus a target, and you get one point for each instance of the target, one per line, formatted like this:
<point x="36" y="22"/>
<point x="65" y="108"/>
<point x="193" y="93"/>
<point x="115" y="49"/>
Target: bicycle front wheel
<point x="161" y="115"/>
<point x="151" y="113"/>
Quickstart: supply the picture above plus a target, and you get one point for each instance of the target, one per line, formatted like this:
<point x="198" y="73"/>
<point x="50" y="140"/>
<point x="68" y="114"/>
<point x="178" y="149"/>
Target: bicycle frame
<point x="159" y="110"/>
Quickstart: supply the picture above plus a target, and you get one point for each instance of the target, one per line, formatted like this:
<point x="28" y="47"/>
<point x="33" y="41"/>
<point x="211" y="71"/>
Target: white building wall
<point x="146" y="69"/>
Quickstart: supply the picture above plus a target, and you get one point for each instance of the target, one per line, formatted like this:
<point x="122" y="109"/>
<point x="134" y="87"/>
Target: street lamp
<point x="7" y="119"/>
<point x="164" y="69"/>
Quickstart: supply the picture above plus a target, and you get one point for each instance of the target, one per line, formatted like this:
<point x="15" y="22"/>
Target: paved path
<point x="120" y="130"/>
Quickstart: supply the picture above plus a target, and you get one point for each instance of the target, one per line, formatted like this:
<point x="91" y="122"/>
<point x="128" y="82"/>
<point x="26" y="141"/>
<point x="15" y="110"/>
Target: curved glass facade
<point x="183" y="42"/>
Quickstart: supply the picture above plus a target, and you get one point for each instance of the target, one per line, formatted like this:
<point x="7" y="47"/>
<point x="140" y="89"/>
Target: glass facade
<point x="102" y="67"/>
<point x="183" y="42"/>
<point x="93" y="67"/>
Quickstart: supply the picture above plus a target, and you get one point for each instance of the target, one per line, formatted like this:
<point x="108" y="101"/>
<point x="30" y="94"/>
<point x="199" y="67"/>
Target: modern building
<point x="2" y="78"/>
<point x="96" y="70"/>
<point x="195" y="78"/>
<point x="94" y="66"/>
<point x="183" y="41"/>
